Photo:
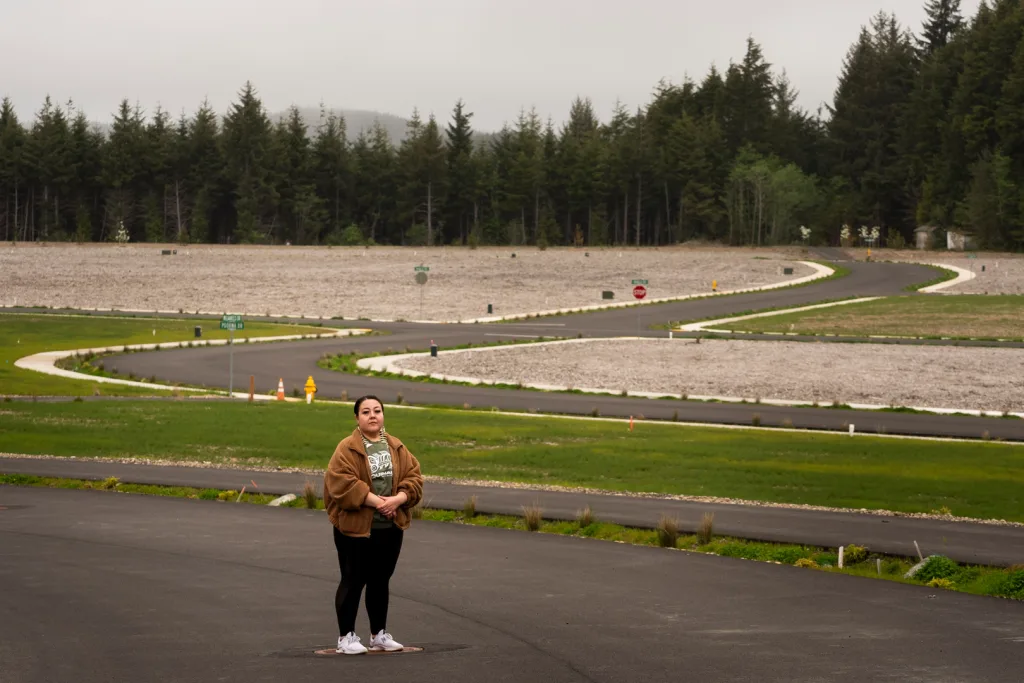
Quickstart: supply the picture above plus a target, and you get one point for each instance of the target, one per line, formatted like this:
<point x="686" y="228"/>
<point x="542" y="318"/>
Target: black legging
<point x="368" y="562"/>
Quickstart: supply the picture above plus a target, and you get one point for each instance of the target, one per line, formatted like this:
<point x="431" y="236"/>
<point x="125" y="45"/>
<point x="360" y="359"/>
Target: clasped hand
<point x="389" y="504"/>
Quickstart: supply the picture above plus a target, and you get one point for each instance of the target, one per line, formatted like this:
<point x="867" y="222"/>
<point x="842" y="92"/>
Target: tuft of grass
<point x="416" y="511"/>
<point x="668" y="531"/>
<point x="756" y="420"/>
<point x="110" y="483"/>
<point x="469" y="507"/>
<point x="585" y="516"/>
<point x="310" y="496"/>
<point x="706" y="530"/>
<point x="533" y="515"/>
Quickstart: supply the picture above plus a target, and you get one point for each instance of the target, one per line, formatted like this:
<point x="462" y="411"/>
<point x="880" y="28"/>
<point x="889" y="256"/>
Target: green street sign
<point x="422" y="269"/>
<point x="231" y="318"/>
<point x="639" y="282"/>
<point x="232" y="325"/>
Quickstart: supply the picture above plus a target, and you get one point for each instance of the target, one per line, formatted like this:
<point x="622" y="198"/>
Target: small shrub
<point x="595" y="412"/>
<point x="296" y="393"/>
<point x="417" y="511"/>
<point x="532" y="515"/>
<point x="806" y="563"/>
<point x="110" y="483"/>
<point x="787" y="423"/>
<point x="1012" y="585"/>
<point x="941" y="583"/>
<point x="399" y="398"/>
<point x="227" y="495"/>
<point x="344" y="395"/>
<point x="79" y="399"/>
<point x="585" y="517"/>
<point x="668" y="531"/>
<point x="469" y="508"/>
<point x="756" y="420"/>
<point x="854" y="554"/>
<point x="209" y="494"/>
<point x="309" y="495"/>
<point x="706" y="530"/>
<point x="937" y="567"/>
<point x="675" y="416"/>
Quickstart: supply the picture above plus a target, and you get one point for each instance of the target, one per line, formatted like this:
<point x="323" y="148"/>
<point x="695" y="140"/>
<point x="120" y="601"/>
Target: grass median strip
<point x="964" y="316"/>
<point x="27" y="334"/>
<point x="938" y="573"/>
<point x="983" y="480"/>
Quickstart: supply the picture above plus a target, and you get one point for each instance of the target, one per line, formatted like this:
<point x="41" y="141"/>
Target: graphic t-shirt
<point x="381" y="474"/>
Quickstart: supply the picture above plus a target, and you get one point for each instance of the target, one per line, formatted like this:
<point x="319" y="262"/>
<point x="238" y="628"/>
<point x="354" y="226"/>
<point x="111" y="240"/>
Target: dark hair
<point x="359" y="402"/>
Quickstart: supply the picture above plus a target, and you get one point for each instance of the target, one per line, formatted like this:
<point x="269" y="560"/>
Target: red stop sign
<point x="639" y="291"/>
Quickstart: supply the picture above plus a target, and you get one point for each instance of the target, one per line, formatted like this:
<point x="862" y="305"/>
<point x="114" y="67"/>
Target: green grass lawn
<point x="24" y="335"/>
<point x="982" y="480"/>
<point x="960" y="316"/>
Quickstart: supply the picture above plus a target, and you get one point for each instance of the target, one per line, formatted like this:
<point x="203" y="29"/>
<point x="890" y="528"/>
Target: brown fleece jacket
<point x="347" y="483"/>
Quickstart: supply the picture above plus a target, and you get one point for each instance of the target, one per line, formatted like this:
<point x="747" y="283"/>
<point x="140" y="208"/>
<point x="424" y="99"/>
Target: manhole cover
<point x="333" y="652"/>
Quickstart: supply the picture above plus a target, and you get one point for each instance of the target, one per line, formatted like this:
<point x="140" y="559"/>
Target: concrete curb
<point x="388" y="364"/>
<point x="962" y="275"/>
<point x="45" y="362"/>
<point x="703" y="326"/>
<point x="820" y="272"/>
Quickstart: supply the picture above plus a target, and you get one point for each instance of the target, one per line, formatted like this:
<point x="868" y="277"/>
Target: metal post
<point x="231" y="363"/>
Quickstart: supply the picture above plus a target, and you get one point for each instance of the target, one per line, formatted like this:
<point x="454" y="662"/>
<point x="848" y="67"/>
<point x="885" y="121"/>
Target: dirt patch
<point x="936" y="377"/>
<point x="376" y="283"/>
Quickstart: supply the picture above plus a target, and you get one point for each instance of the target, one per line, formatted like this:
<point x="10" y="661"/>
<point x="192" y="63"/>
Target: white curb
<point x="962" y="275"/>
<point x="700" y="326"/>
<point x="45" y="362"/>
<point x="388" y="364"/>
<point x="820" y="272"/>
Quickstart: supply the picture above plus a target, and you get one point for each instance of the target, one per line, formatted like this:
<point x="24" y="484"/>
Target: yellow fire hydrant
<point x="714" y="285"/>
<point x="310" y="389"/>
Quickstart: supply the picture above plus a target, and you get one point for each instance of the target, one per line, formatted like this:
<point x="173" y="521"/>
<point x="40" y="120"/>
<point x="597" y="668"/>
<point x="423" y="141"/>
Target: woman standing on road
<point x="370" y="486"/>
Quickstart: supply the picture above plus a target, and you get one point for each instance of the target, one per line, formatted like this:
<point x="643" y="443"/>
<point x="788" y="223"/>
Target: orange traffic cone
<point x="630" y="423"/>
<point x="280" y="389"/>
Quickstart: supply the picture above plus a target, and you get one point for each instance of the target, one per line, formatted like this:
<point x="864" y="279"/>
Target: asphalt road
<point x="966" y="542"/>
<point x="112" y="587"/>
<point x="295" y="361"/>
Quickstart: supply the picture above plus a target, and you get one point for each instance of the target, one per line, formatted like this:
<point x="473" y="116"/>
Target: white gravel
<point x="374" y="283"/>
<point x="911" y="376"/>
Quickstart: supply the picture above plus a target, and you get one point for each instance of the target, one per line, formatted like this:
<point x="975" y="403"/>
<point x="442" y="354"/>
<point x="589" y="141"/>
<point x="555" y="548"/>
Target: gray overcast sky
<point x="392" y="55"/>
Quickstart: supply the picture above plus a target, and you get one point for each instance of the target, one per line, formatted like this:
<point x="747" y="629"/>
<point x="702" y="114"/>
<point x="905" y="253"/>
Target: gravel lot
<point x="375" y="283"/>
<point x="949" y="377"/>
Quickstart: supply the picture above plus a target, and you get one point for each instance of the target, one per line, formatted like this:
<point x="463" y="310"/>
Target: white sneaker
<point x="350" y="645"/>
<point x="384" y="641"/>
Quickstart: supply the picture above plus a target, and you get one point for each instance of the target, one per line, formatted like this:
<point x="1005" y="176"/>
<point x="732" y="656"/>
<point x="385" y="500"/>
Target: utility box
<point x="199" y="331"/>
<point x="607" y="295"/>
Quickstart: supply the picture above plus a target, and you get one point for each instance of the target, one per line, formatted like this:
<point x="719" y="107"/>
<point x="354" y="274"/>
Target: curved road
<point x="296" y="361"/>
